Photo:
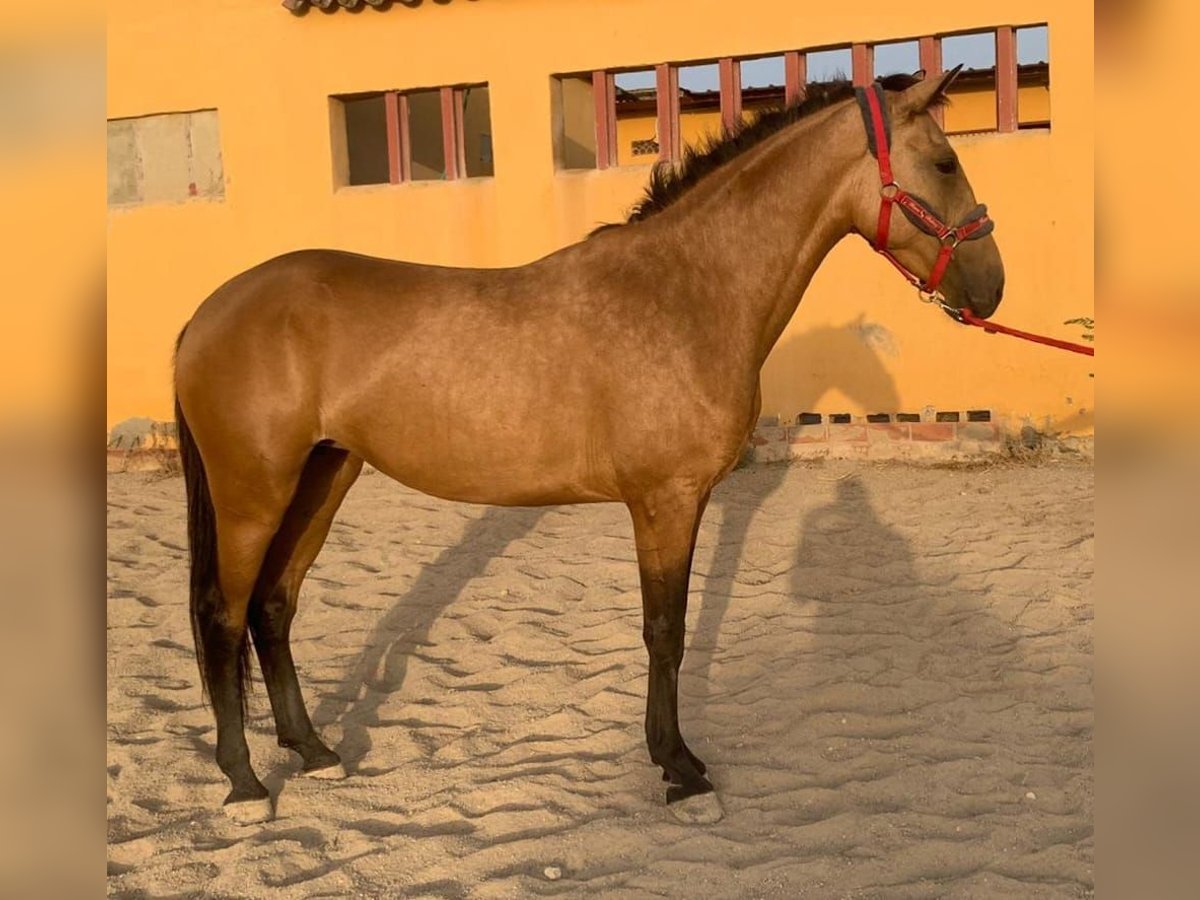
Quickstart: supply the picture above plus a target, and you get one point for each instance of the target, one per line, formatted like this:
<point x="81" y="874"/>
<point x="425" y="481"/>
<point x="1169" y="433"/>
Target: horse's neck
<point x="754" y="232"/>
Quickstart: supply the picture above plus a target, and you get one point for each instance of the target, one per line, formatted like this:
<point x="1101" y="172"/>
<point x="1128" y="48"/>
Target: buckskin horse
<point x="624" y="368"/>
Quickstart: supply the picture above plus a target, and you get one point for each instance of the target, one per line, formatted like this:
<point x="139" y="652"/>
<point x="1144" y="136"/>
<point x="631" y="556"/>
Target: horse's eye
<point x="947" y="166"/>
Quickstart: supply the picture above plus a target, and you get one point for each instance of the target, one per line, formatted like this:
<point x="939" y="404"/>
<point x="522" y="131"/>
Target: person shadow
<point x="848" y="358"/>
<point x="939" y="685"/>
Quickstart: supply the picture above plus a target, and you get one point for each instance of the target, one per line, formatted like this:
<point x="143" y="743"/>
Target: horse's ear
<point x="928" y="91"/>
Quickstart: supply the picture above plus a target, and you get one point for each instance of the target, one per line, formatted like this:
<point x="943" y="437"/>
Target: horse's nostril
<point x="999" y="291"/>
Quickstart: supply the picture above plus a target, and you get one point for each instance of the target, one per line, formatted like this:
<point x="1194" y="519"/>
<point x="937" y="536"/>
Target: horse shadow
<point x="382" y="665"/>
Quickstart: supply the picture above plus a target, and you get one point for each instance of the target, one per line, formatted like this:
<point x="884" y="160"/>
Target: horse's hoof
<point x="698" y="809"/>
<point x="336" y="772"/>
<point x="250" y="812"/>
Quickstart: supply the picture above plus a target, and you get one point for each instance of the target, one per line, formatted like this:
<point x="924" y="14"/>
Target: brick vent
<point x="931" y="434"/>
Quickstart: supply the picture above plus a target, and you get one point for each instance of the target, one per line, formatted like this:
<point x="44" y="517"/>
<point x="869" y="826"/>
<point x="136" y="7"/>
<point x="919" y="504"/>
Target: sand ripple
<point x="889" y="673"/>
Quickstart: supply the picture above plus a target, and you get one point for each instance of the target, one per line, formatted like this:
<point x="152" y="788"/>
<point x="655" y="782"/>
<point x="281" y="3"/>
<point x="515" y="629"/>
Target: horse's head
<point x="942" y="240"/>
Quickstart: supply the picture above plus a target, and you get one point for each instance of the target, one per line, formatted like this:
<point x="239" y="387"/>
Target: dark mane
<point x="670" y="182"/>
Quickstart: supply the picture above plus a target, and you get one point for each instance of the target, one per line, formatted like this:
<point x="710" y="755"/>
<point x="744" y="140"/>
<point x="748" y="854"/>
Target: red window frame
<point x="795" y="74"/>
<point x="399" y="144"/>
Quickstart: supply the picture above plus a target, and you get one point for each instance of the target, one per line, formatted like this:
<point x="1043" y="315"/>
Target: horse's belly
<point x="504" y="466"/>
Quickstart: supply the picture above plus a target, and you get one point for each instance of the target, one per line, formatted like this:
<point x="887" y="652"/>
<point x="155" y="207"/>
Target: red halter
<point x="974" y="226"/>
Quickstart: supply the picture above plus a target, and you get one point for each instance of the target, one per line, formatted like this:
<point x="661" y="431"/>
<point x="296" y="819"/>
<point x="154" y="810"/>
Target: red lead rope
<point x="969" y="318"/>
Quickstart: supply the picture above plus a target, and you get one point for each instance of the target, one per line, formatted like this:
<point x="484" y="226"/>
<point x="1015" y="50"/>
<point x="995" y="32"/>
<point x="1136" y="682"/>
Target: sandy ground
<point x="889" y="674"/>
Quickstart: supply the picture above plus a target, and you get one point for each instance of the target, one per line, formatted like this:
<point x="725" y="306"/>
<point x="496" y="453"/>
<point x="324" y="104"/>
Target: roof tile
<point x="299" y="6"/>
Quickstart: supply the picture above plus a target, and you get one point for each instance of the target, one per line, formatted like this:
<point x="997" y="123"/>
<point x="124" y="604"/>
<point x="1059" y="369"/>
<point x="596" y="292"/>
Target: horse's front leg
<point x="665" y="522"/>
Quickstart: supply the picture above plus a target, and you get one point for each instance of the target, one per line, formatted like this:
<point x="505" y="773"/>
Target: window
<point x="973" y="97"/>
<point x="366" y="139"/>
<point x="762" y="82"/>
<point x="1033" y="77"/>
<point x="896" y="57"/>
<point x="165" y="158"/>
<point x="828" y="65"/>
<point x="474" y="112"/>
<point x="573" y="105"/>
<point x="426" y="135"/>
<point x="699" y="97"/>
<point x="391" y="137"/>
<point x="635" y="97"/>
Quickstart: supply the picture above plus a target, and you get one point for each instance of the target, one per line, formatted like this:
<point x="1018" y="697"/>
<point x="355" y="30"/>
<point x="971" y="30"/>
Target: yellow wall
<point x="695" y="126"/>
<point x="1033" y="103"/>
<point x="636" y="128"/>
<point x="270" y="76"/>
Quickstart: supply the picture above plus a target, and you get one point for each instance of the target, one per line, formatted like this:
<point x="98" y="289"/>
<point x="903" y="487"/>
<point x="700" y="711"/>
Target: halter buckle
<point x="936" y="297"/>
<point x="933" y="296"/>
<point x="889" y="190"/>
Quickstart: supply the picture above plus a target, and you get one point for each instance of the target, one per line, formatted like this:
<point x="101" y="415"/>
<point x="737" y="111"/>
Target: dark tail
<point x="205" y="589"/>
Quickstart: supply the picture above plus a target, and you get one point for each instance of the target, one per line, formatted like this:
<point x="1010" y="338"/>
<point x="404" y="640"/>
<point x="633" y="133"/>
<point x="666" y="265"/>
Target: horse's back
<point x="464" y="383"/>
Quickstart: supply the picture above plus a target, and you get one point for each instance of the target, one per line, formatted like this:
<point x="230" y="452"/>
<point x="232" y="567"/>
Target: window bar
<point x="604" y="95"/>
<point x="460" y="158"/>
<point x="862" y="61"/>
<point x="667" y="90"/>
<point x="1006" y="79"/>
<point x="449" y="154"/>
<point x="930" y="48"/>
<point x="391" y="108"/>
<point x="731" y="92"/>
<point x="405" y="140"/>
<point x="795" y="69"/>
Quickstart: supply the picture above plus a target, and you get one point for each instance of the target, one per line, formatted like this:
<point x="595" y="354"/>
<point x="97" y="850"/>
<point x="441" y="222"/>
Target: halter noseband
<point x="974" y="226"/>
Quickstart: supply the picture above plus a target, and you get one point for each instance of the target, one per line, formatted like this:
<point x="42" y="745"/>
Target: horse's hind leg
<point x="327" y="477"/>
<point x="665" y="522"/>
<point x="247" y="512"/>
